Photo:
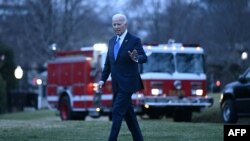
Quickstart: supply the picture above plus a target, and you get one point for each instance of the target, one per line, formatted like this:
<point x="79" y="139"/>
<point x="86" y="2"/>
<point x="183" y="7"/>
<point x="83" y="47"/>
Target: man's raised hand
<point x="133" y="55"/>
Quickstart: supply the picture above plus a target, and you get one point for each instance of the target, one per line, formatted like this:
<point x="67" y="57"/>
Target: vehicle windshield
<point x="159" y="62"/>
<point x="190" y="63"/>
<point x="165" y="62"/>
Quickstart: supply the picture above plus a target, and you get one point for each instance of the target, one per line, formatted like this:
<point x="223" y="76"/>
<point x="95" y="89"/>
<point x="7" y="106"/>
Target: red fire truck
<point x="174" y="79"/>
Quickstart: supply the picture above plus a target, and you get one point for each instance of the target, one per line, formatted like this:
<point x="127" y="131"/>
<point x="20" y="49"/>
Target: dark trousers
<point x="122" y="108"/>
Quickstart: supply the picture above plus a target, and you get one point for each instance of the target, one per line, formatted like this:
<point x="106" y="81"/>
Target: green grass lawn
<point x="45" y="125"/>
<point x="46" y="129"/>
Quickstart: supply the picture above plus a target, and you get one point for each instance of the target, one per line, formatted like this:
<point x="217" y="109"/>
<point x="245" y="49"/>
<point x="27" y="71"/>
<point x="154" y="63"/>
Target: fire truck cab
<point x="175" y="81"/>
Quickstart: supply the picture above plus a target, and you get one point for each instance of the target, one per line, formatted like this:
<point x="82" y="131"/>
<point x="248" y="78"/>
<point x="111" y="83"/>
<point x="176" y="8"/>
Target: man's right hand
<point x="100" y="84"/>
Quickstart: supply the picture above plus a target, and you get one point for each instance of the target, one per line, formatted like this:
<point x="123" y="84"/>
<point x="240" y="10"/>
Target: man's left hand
<point x="133" y="55"/>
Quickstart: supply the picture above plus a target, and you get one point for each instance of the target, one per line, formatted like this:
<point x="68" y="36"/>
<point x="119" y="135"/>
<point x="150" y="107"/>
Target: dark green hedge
<point x="7" y="78"/>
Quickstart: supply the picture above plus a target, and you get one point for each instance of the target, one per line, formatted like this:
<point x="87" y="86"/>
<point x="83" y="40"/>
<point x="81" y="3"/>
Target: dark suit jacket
<point x="124" y="71"/>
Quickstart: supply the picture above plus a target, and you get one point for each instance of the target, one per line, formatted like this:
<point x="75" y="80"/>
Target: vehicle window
<point x="248" y="75"/>
<point x="159" y="62"/>
<point x="190" y="63"/>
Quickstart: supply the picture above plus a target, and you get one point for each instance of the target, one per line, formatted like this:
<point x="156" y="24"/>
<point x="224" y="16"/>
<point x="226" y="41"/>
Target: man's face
<point x="119" y="25"/>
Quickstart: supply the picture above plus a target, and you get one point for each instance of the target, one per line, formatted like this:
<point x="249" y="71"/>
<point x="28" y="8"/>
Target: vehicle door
<point x="242" y="93"/>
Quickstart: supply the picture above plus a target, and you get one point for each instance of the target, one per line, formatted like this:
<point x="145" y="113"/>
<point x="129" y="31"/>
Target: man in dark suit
<point x="124" y="53"/>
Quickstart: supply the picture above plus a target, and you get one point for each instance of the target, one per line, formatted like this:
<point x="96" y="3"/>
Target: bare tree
<point x="227" y="35"/>
<point x="163" y="20"/>
<point x="34" y="25"/>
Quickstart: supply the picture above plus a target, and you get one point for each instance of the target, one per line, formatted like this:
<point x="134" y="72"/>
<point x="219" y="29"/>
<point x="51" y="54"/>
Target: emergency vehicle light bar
<point x="166" y="46"/>
<point x="175" y="46"/>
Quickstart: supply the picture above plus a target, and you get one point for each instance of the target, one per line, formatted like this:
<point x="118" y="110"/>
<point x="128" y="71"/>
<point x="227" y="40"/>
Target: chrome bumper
<point x="164" y="101"/>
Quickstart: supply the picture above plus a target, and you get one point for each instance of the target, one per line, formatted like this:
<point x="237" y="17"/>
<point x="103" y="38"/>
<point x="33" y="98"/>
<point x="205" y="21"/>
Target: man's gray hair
<point x="120" y="15"/>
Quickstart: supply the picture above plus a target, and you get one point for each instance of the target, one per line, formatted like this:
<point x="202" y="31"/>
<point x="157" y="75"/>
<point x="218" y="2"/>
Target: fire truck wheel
<point x="66" y="113"/>
<point x="65" y="109"/>
<point x="228" y="112"/>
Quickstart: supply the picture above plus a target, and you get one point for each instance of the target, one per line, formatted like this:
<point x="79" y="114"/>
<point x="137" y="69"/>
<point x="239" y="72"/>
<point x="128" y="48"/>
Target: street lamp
<point x="53" y="47"/>
<point x="18" y="74"/>
<point x="244" y="57"/>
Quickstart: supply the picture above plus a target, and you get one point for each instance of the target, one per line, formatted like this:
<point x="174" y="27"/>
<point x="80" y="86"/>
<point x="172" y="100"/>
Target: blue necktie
<point x="116" y="47"/>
